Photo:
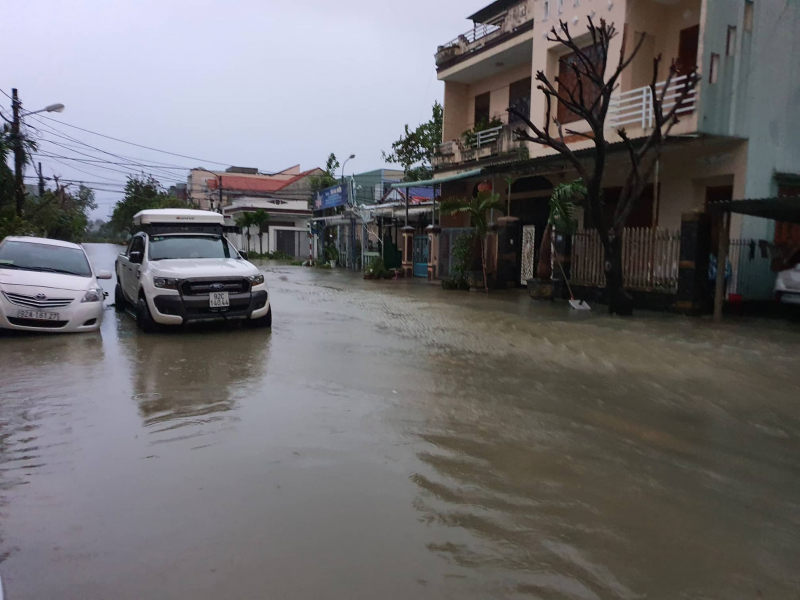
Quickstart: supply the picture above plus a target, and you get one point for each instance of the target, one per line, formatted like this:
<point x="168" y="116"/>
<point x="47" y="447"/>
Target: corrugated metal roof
<point x="786" y="208"/>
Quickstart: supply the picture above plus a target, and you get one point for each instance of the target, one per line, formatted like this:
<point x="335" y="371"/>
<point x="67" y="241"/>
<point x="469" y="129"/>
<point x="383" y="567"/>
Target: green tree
<point x="415" y="150"/>
<point x="261" y="220"/>
<point x="244" y="222"/>
<point x="477" y="209"/>
<point x="141" y="193"/>
<point x="328" y="178"/>
<point x="562" y="217"/>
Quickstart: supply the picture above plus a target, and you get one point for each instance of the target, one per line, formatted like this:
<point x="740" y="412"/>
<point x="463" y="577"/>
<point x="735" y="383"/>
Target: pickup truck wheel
<point x="143" y="317"/>
<point x="119" y="299"/>
<point x="265" y="321"/>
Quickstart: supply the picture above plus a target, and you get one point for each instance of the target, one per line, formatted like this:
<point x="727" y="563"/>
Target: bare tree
<point x="590" y="98"/>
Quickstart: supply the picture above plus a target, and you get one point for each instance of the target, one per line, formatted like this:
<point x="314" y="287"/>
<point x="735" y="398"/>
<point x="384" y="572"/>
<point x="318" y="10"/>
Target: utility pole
<point x="219" y="208"/>
<point x="19" y="163"/>
<point x="41" y="182"/>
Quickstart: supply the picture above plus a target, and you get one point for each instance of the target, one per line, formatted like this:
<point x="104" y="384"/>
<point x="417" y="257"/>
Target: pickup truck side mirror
<point x="243" y="254"/>
<point x="135" y="257"/>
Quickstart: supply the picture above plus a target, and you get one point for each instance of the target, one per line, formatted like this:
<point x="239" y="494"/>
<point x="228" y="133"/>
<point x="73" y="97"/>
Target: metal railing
<point x="636" y="106"/>
<point x="487" y="136"/>
<point x="476" y="33"/>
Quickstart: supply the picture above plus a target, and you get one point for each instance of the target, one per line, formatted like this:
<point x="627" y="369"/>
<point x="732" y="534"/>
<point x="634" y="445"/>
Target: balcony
<point x="482" y="36"/>
<point x="635" y="107"/>
<point x="494" y="141"/>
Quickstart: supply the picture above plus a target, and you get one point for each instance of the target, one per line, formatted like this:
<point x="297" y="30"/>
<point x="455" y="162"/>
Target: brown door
<point x="687" y="49"/>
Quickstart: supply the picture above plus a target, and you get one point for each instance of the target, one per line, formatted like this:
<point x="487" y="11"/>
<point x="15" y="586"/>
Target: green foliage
<point x="141" y="193"/>
<point x="331" y="253"/>
<point x="260" y="219"/>
<point x="57" y="215"/>
<point x="563" y="205"/>
<point x="415" y="149"/>
<point x="328" y="178"/>
<point x="470" y="135"/>
<point x="477" y="209"/>
<point x="377" y="269"/>
<point x="463" y="252"/>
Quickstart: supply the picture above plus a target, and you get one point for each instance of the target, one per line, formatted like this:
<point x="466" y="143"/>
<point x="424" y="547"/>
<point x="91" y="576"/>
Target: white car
<point x="180" y="269"/>
<point x="787" y="286"/>
<point x="48" y="285"/>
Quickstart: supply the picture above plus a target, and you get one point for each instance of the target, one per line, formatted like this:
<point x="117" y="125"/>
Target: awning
<point x="779" y="209"/>
<point x="433" y="182"/>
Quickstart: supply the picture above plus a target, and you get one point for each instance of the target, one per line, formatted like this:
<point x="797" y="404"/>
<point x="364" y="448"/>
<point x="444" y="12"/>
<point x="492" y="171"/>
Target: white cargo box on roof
<point x="183" y="216"/>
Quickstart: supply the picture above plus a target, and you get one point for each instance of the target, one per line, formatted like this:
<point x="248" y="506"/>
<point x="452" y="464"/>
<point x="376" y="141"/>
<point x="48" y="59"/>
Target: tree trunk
<point x="483" y="264"/>
<point x="544" y="268"/>
<point x="619" y="302"/>
<point x="261" y="242"/>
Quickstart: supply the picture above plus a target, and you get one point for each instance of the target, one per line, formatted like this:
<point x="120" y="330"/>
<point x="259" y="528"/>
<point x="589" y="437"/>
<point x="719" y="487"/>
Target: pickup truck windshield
<point x="190" y="246"/>
<point x="30" y="256"/>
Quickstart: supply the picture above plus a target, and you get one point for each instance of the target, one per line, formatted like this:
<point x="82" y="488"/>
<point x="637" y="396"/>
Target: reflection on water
<point x="189" y="380"/>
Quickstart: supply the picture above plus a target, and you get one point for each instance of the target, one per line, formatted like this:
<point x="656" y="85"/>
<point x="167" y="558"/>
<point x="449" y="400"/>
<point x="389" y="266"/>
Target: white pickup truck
<point x="180" y="268"/>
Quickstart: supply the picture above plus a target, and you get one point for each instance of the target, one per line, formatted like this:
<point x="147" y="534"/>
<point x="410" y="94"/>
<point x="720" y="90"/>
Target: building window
<point x="713" y="72"/>
<point x="748" y="15"/>
<point x="546" y="10"/>
<point x="482" y="110"/>
<point x="730" y="46"/>
<point x="519" y="97"/>
<point x="568" y="82"/>
<point x="560" y="6"/>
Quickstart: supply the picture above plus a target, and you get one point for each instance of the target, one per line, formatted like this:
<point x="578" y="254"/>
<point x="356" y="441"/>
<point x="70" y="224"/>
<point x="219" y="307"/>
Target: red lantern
<point x="485" y="186"/>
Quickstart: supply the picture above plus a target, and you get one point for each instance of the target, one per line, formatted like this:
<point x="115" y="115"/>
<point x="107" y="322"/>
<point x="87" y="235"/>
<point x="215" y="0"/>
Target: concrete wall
<point x="757" y="94"/>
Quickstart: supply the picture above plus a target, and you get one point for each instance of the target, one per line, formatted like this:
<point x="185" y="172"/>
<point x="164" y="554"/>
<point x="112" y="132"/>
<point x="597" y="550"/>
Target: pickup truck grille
<point x="203" y="287"/>
<point x="34" y="302"/>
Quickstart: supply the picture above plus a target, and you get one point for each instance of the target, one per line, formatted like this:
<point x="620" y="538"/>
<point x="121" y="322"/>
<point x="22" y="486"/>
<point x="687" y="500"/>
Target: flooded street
<point x="392" y="440"/>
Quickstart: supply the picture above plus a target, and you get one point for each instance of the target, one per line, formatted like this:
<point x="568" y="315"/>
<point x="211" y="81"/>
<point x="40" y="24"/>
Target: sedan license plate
<point x="38" y="315"/>
<point x="219" y="300"/>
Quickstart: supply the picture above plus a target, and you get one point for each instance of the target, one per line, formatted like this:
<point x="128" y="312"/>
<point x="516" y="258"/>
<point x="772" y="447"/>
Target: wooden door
<point x="687" y="49"/>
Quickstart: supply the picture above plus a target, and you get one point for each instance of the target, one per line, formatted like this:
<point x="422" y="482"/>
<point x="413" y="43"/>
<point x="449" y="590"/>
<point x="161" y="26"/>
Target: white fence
<point x="649" y="259"/>
<point x="636" y="106"/>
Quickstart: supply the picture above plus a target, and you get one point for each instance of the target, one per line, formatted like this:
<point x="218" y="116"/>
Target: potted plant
<point x="562" y="219"/>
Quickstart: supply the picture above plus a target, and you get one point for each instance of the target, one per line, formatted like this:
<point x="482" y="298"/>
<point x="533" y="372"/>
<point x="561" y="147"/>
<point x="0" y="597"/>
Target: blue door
<point x="421" y="256"/>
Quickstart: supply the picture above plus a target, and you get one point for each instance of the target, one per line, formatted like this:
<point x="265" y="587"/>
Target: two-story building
<point x="738" y="136"/>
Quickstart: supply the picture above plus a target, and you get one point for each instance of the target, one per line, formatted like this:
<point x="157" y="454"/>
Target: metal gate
<point x="528" y="253"/>
<point x="447" y="240"/>
<point x="421" y="256"/>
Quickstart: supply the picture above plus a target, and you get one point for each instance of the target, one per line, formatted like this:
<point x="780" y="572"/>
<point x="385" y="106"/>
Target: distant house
<point x="203" y="186"/>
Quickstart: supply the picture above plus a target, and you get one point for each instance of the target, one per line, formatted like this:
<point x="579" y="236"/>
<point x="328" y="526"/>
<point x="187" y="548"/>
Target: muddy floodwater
<point x="392" y="440"/>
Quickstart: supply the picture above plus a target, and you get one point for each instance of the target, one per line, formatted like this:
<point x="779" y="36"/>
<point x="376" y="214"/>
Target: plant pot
<point x="333" y="264"/>
<point x="540" y="289"/>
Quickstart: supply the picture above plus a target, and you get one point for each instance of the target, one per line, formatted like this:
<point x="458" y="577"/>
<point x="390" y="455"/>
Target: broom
<point x="576" y="304"/>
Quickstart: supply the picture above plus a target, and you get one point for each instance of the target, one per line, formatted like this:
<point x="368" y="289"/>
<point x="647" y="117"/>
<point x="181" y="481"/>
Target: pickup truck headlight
<point x="166" y="283"/>
<point x="93" y="296"/>
<point x="256" y="279"/>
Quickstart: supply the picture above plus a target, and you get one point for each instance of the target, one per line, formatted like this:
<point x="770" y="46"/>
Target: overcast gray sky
<point x="253" y="83"/>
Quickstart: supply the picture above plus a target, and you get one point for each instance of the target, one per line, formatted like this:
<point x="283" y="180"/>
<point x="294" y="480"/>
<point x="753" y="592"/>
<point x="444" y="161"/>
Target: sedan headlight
<point x="93" y="296"/>
<point x="256" y="279"/>
<point x="166" y="283"/>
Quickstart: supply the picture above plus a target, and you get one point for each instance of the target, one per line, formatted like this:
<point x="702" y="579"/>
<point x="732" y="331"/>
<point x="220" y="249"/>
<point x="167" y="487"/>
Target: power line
<point x="216" y="162"/>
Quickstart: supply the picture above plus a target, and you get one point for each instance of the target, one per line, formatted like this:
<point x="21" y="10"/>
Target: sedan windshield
<point x="190" y="246"/>
<point x="47" y="258"/>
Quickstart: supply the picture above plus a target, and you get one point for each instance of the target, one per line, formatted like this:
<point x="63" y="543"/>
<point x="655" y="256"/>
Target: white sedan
<point x="48" y="285"/>
<point x="787" y="286"/>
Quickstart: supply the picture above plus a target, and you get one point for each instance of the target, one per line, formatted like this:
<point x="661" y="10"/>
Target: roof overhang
<point x="785" y="209"/>
<point x="440" y="180"/>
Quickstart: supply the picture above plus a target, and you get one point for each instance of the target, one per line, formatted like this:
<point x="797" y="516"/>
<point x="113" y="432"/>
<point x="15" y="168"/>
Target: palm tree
<point x="561" y="217"/>
<point x="476" y="208"/>
<point x="244" y="222"/>
<point x="260" y="219"/>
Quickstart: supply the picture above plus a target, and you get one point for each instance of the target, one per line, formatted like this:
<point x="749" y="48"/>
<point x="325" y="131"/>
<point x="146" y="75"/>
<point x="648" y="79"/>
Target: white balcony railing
<point x="635" y="107"/>
<point x="487" y="136"/>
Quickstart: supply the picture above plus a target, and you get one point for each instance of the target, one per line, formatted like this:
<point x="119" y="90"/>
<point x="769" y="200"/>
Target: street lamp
<point x="52" y="108"/>
<point x="345" y="162"/>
